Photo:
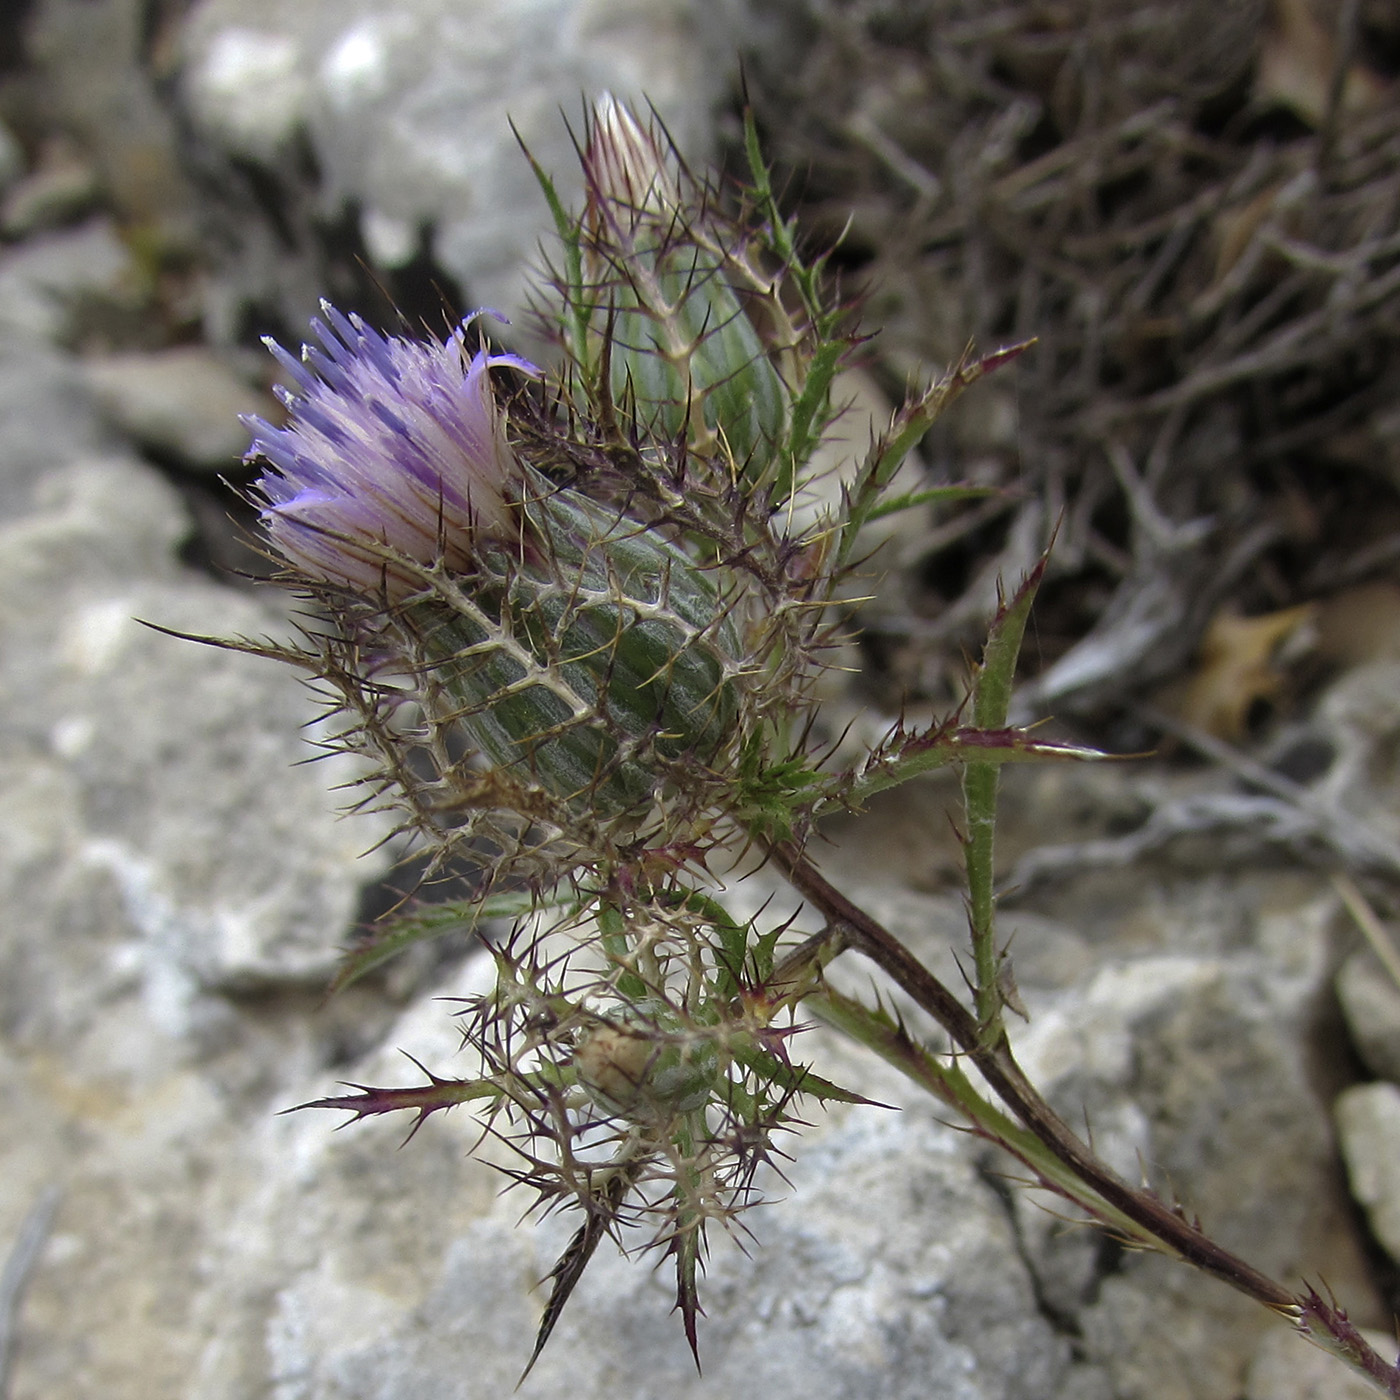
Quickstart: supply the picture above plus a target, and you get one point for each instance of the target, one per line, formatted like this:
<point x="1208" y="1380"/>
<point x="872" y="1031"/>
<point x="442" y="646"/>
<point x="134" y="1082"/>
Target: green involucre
<point x="588" y="672"/>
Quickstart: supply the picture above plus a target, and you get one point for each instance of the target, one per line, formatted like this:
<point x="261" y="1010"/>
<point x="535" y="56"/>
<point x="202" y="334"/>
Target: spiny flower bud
<point x="683" y="345"/>
<point x="576" y="649"/>
<point x="627" y="166"/>
<point x="648" y="1068"/>
<point x="603" y="654"/>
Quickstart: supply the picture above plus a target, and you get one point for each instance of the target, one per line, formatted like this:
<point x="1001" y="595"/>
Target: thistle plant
<point x="571" y="621"/>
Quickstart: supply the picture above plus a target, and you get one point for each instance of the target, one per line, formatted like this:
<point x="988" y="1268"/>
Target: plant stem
<point x="998" y="1067"/>
<point x="980" y="783"/>
<point x="942" y="1076"/>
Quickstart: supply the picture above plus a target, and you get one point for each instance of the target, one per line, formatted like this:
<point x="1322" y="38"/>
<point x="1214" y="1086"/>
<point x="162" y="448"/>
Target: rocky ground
<point x="1191" y="930"/>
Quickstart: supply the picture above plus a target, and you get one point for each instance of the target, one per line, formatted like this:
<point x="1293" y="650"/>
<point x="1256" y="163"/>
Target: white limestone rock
<point x="411" y="116"/>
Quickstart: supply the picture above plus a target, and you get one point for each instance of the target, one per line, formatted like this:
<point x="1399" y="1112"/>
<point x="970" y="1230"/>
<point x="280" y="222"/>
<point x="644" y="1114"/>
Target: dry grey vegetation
<point x="1196" y="208"/>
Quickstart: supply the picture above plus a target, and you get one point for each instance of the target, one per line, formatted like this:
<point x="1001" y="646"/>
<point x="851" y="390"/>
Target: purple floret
<point x="393" y="449"/>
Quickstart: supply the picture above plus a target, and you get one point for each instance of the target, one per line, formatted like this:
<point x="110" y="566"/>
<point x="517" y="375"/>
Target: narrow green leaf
<point x="794" y="1079"/>
<point x="810" y="415"/>
<point x="933" y="495"/>
<point x="779" y="230"/>
<point x="577" y="305"/>
<point x="400" y="932"/>
<point x="991" y="701"/>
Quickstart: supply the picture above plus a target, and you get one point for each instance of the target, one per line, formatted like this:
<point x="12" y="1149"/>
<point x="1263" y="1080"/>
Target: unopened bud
<point x="629" y="169"/>
<point x="644" y="1072"/>
<point x="684" y="348"/>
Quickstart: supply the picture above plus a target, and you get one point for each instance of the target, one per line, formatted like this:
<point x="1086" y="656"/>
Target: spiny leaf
<point x="686" y="1246"/>
<point x="266" y="649"/>
<point x="991" y="692"/>
<point x="1326" y="1325"/>
<point x="810" y="410"/>
<point x="767" y="795"/>
<point x="991" y="700"/>
<point x="402" y="931"/>
<point x="904" y="756"/>
<point x="602" y="1211"/>
<point x="780" y="230"/>
<point x="795" y="1079"/>
<point x="909" y="426"/>
<point x="779" y="235"/>
<point x="809" y="415"/>
<point x="765" y="949"/>
<point x="687" y="1235"/>
<point x="423" y="1099"/>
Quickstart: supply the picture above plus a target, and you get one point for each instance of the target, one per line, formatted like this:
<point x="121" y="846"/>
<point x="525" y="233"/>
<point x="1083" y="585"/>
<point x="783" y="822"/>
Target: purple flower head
<point x="393" y="449"/>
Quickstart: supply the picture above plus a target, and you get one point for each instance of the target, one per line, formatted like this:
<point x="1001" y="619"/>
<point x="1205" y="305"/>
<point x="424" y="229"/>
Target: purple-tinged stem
<point x="1311" y="1315"/>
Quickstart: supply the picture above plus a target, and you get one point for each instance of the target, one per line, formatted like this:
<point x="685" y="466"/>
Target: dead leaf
<point x="1239" y="665"/>
<point x="1296" y="62"/>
